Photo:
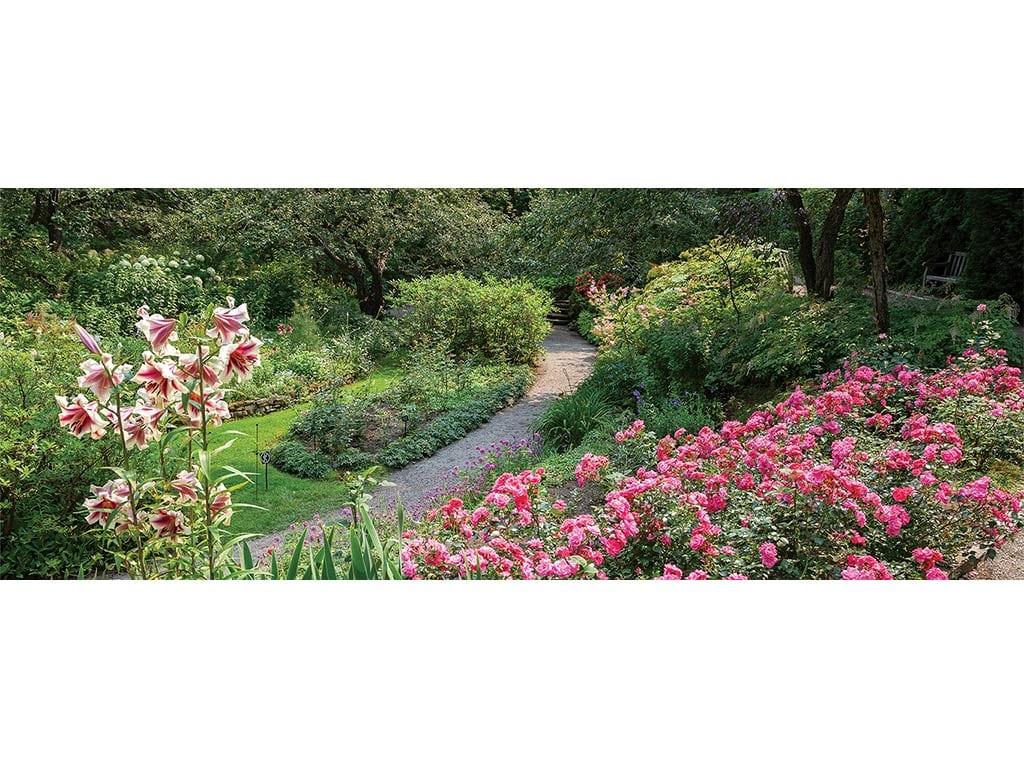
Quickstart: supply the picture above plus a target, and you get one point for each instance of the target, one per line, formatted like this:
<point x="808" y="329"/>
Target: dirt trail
<point x="568" y="360"/>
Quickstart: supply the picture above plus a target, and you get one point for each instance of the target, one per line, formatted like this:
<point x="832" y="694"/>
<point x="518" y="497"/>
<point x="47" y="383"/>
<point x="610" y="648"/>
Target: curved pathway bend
<point x="568" y="359"/>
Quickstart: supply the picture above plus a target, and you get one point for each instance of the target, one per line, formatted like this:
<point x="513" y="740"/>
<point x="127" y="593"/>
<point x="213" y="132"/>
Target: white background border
<point x="524" y="94"/>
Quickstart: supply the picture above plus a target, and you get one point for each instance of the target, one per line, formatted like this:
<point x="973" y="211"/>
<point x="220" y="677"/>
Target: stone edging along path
<point x="568" y="360"/>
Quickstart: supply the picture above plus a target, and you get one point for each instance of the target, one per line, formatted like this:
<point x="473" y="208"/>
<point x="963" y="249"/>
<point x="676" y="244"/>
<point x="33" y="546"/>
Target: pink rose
<point x="769" y="555"/>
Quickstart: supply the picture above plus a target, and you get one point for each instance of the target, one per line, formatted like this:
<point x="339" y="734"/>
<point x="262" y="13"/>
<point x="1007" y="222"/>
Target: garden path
<point x="568" y="360"/>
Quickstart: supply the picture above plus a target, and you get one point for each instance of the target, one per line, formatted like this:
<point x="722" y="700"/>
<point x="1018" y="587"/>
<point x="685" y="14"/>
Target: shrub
<point x="498" y="319"/>
<point x="44" y="472"/>
<point x="106" y="300"/>
<point x="296" y="459"/>
<point x="860" y="480"/>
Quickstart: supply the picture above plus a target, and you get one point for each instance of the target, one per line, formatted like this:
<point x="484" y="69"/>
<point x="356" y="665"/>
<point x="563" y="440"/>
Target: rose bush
<point x="874" y="475"/>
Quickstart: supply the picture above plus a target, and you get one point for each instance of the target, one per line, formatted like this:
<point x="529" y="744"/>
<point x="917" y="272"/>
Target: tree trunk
<point x="803" y="224"/>
<point x="879" y="269"/>
<point x="44" y="213"/>
<point x="825" y="260"/>
<point x="349" y="267"/>
<point x="373" y="301"/>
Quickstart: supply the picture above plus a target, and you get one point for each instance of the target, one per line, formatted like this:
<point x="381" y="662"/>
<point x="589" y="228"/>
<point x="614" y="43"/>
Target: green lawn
<point x="287" y="499"/>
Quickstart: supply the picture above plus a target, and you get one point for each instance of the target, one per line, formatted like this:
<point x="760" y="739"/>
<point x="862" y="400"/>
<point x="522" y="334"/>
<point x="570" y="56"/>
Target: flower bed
<point x="875" y="475"/>
<point x="413" y="418"/>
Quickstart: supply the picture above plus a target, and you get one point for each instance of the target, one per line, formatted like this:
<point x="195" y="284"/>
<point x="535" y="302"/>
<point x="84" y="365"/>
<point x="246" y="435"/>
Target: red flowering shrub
<point x="587" y="282"/>
<point x="875" y="476"/>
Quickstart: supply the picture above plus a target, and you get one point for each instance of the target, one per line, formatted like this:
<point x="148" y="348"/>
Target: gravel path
<point x="1007" y="565"/>
<point x="568" y="360"/>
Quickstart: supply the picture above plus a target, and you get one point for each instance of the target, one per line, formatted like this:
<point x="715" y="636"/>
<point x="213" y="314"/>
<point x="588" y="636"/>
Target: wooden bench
<point x="794" y="276"/>
<point x="944" y="272"/>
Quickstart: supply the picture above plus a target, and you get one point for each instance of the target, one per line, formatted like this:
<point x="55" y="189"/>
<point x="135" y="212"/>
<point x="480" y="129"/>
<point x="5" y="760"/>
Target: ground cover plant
<point x="434" y="403"/>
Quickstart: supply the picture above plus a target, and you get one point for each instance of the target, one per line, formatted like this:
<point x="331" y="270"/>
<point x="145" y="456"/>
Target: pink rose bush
<point x="175" y="519"/>
<point x="872" y="476"/>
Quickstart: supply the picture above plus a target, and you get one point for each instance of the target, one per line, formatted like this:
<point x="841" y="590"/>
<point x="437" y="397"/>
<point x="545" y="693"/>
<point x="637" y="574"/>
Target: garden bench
<point x="948" y="271"/>
<point x="794" y="276"/>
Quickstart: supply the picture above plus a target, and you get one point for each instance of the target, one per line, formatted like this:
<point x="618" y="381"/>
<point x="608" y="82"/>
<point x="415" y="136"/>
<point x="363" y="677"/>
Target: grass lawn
<point x="288" y="499"/>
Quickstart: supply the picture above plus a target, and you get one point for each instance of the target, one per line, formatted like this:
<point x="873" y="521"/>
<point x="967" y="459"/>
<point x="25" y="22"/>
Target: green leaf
<point x="329" y="571"/>
<point x="358" y="569"/>
<point x="221" y="448"/>
<point x="293" y="566"/>
<point x="246" y="556"/>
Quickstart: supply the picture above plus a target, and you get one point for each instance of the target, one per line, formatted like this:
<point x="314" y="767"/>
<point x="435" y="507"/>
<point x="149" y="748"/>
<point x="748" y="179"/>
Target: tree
<point x="876" y="247"/>
<point x="818" y="266"/>
<point x="625" y="231"/>
<point x="361" y="238"/>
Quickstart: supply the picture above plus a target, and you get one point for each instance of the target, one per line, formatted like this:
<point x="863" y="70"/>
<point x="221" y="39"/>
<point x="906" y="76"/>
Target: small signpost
<point x="264" y="458"/>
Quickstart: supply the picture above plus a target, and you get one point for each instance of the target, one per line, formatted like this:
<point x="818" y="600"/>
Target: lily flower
<point x="168" y="522"/>
<point x="105" y="499"/>
<point x="81" y="417"/>
<point x="229" y="321"/>
<point x="101" y="377"/>
<point x="187" y="486"/>
<point x="240" y="359"/>
<point x="87" y="339"/>
<point x="160" y="380"/>
<point x="158" y="330"/>
<point x="189" y="365"/>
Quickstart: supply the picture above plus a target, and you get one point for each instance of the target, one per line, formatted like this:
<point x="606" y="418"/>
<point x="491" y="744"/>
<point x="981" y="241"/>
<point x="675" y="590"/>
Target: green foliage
<point x="414" y="416"/>
<point x="568" y="231"/>
<point x="719" y="319"/>
<point x="353" y="238"/>
<point x="690" y="411"/>
<point x="988" y="224"/>
<point x="368" y="556"/>
<point x="568" y="420"/>
<point x="272" y="291"/>
<point x="497" y="319"/>
<point x="296" y="459"/>
<point x="333" y="425"/>
<point x="995" y="220"/>
<point x="784" y="338"/>
<point x="616" y="376"/>
<point x="454" y="424"/>
<point x="44" y="472"/>
<point x="927" y="226"/>
<point x="106" y="299"/>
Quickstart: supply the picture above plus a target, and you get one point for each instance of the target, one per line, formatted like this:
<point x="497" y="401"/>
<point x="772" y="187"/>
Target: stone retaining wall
<point x="261" y="406"/>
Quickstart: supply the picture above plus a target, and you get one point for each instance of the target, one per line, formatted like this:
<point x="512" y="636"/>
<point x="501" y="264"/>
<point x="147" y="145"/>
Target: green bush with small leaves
<point x="497" y="319"/>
